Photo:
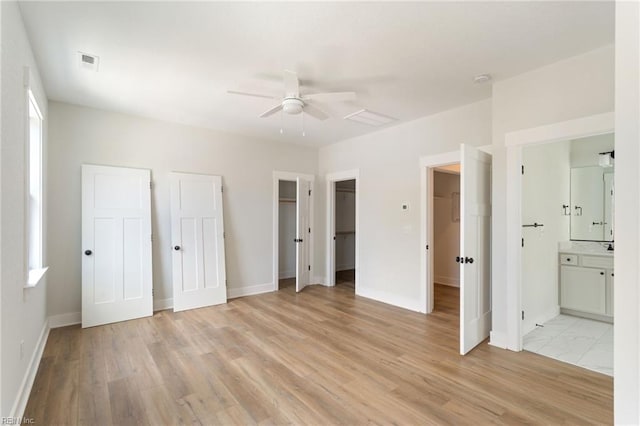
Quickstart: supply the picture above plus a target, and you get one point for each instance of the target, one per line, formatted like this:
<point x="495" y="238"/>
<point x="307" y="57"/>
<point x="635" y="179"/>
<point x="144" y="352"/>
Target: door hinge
<point x="523" y="242"/>
<point x="309" y="267"/>
<point x="309" y="230"/>
<point x="427" y="246"/>
<point x="151" y="237"/>
<point x="309" y="193"/>
<point x="523" y="315"/>
<point x="152" y="291"/>
<point x="221" y="188"/>
<point x="150" y="185"/>
<point x="224" y="234"/>
<point x="522" y="168"/>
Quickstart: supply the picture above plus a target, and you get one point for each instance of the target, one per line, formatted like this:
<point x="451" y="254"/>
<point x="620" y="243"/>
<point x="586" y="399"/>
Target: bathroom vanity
<point x="586" y="281"/>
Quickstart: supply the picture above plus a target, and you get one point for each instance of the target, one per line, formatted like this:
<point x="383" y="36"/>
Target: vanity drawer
<point x="597" y="262"/>
<point x="568" y="259"/>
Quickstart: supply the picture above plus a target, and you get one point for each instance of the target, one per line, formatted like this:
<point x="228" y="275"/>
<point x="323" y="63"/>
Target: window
<point x="35" y="197"/>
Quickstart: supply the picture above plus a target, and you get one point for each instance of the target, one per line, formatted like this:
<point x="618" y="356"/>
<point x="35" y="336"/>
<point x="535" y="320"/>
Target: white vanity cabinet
<point x="586" y="285"/>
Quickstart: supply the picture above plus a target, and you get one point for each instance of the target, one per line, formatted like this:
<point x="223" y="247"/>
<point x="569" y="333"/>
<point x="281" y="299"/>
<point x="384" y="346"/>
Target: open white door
<point x="303" y="237"/>
<point x="116" y="244"/>
<point x="475" y="246"/>
<point x="197" y="233"/>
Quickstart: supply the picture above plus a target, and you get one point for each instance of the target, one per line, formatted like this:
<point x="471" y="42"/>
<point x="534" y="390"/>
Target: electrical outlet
<point x="21" y="349"/>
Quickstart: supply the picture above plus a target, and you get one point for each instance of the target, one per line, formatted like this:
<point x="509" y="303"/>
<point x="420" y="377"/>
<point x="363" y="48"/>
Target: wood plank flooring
<point x="321" y="357"/>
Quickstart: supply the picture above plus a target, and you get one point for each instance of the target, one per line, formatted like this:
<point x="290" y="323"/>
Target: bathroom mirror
<point x="592" y="194"/>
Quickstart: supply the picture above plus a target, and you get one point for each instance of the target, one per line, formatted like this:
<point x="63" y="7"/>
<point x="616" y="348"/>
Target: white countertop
<point x="585" y="247"/>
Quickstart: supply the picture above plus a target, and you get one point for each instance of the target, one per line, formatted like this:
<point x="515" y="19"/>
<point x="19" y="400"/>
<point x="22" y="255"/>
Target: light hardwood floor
<point x="320" y="357"/>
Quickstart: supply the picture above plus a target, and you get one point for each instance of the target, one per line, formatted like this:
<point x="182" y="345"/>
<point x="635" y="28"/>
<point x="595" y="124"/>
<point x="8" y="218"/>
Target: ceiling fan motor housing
<point x="292" y="105"/>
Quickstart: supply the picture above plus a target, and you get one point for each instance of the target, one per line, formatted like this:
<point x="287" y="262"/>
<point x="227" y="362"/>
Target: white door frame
<point x="427" y="164"/>
<point x="288" y="176"/>
<point x="331" y="179"/>
<point x="514" y="142"/>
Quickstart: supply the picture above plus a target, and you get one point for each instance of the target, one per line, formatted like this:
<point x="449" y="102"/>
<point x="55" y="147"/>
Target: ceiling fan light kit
<point x="294" y="103"/>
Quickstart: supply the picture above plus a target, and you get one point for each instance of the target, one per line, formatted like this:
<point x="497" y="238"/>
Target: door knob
<point x="88" y="252"/>
<point x="457" y="259"/>
<point x="176" y="248"/>
<point x="601" y="273"/>
<point x="468" y="259"/>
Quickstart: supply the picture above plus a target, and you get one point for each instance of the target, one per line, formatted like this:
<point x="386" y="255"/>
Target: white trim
<point x="389" y="298"/>
<point x="63" y="320"/>
<point x="162" y="304"/>
<point x="572" y="129"/>
<point x="449" y="281"/>
<point x="234" y="292"/>
<point x="35" y="276"/>
<point x="427" y="163"/>
<point x="289" y="176"/>
<point x="319" y="279"/>
<point x="514" y="141"/>
<point x="331" y="179"/>
<point x="20" y="403"/>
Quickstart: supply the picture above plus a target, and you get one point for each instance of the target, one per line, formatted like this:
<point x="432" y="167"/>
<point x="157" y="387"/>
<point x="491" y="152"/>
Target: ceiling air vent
<point x="88" y="62"/>
<point x="369" y="117"/>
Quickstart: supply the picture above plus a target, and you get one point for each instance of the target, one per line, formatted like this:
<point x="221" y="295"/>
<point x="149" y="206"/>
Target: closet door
<point x="197" y="231"/>
<point x="303" y="240"/>
<point x="116" y="244"/>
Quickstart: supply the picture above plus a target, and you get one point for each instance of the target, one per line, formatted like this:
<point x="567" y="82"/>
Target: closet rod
<point x="533" y="225"/>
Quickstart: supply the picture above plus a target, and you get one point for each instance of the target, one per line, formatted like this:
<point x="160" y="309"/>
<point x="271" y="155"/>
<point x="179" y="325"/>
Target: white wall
<point x="576" y="87"/>
<point x="545" y="188"/>
<point x="388" y="163"/>
<point x="345" y="217"/>
<point x="584" y="152"/>
<point x="287" y="230"/>
<point x="627" y="211"/>
<point x="446" y="230"/>
<point x="23" y="312"/>
<point x="80" y="135"/>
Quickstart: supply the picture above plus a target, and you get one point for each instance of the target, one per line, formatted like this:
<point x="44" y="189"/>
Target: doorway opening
<point x="567" y="251"/>
<point x="342" y="229"/>
<point x="446" y="241"/>
<point x="292" y="230"/>
<point x="287" y="234"/>
<point x="473" y="258"/>
<point x="345" y="233"/>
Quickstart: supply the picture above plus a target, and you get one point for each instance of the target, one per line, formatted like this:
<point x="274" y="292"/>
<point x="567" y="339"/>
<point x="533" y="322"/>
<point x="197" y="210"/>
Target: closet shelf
<point x="287" y="200"/>
<point x="345" y="190"/>
<point x="345" y="232"/>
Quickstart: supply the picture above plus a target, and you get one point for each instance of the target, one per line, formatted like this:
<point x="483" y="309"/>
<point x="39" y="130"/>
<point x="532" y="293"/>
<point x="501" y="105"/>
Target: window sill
<point x="35" y="276"/>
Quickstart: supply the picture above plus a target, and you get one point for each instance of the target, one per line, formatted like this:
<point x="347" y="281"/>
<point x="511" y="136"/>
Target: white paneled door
<point x="116" y="244"/>
<point x="197" y="232"/>
<point x="303" y="234"/>
<point x="475" y="246"/>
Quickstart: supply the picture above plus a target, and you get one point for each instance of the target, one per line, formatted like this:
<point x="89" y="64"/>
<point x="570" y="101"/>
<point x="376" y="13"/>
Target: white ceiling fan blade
<point x="291" y="84"/>
<point x="331" y="97"/>
<point x="255" y="95"/>
<point x="271" y="111"/>
<point x="315" y="112"/>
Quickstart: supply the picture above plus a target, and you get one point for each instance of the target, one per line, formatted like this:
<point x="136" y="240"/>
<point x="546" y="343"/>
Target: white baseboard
<point x="162" y="304"/>
<point x="497" y="339"/>
<point x="389" y="298"/>
<point x="63" y="320"/>
<point x="529" y="323"/>
<point x="234" y="292"/>
<point x="17" y="411"/>
<point x="344" y="267"/>
<point x="450" y="281"/>
<point x="283" y="275"/>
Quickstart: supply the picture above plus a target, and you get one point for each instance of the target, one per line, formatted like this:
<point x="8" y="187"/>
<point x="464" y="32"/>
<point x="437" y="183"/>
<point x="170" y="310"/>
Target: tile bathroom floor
<point x="582" y="342"/>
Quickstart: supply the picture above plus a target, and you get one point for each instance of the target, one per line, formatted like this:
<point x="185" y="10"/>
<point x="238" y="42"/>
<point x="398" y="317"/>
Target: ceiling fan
<point x="295" y="103"/>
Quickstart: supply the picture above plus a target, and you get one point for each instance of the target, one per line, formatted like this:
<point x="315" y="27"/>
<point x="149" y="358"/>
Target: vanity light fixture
<point x="605" y="159"/>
